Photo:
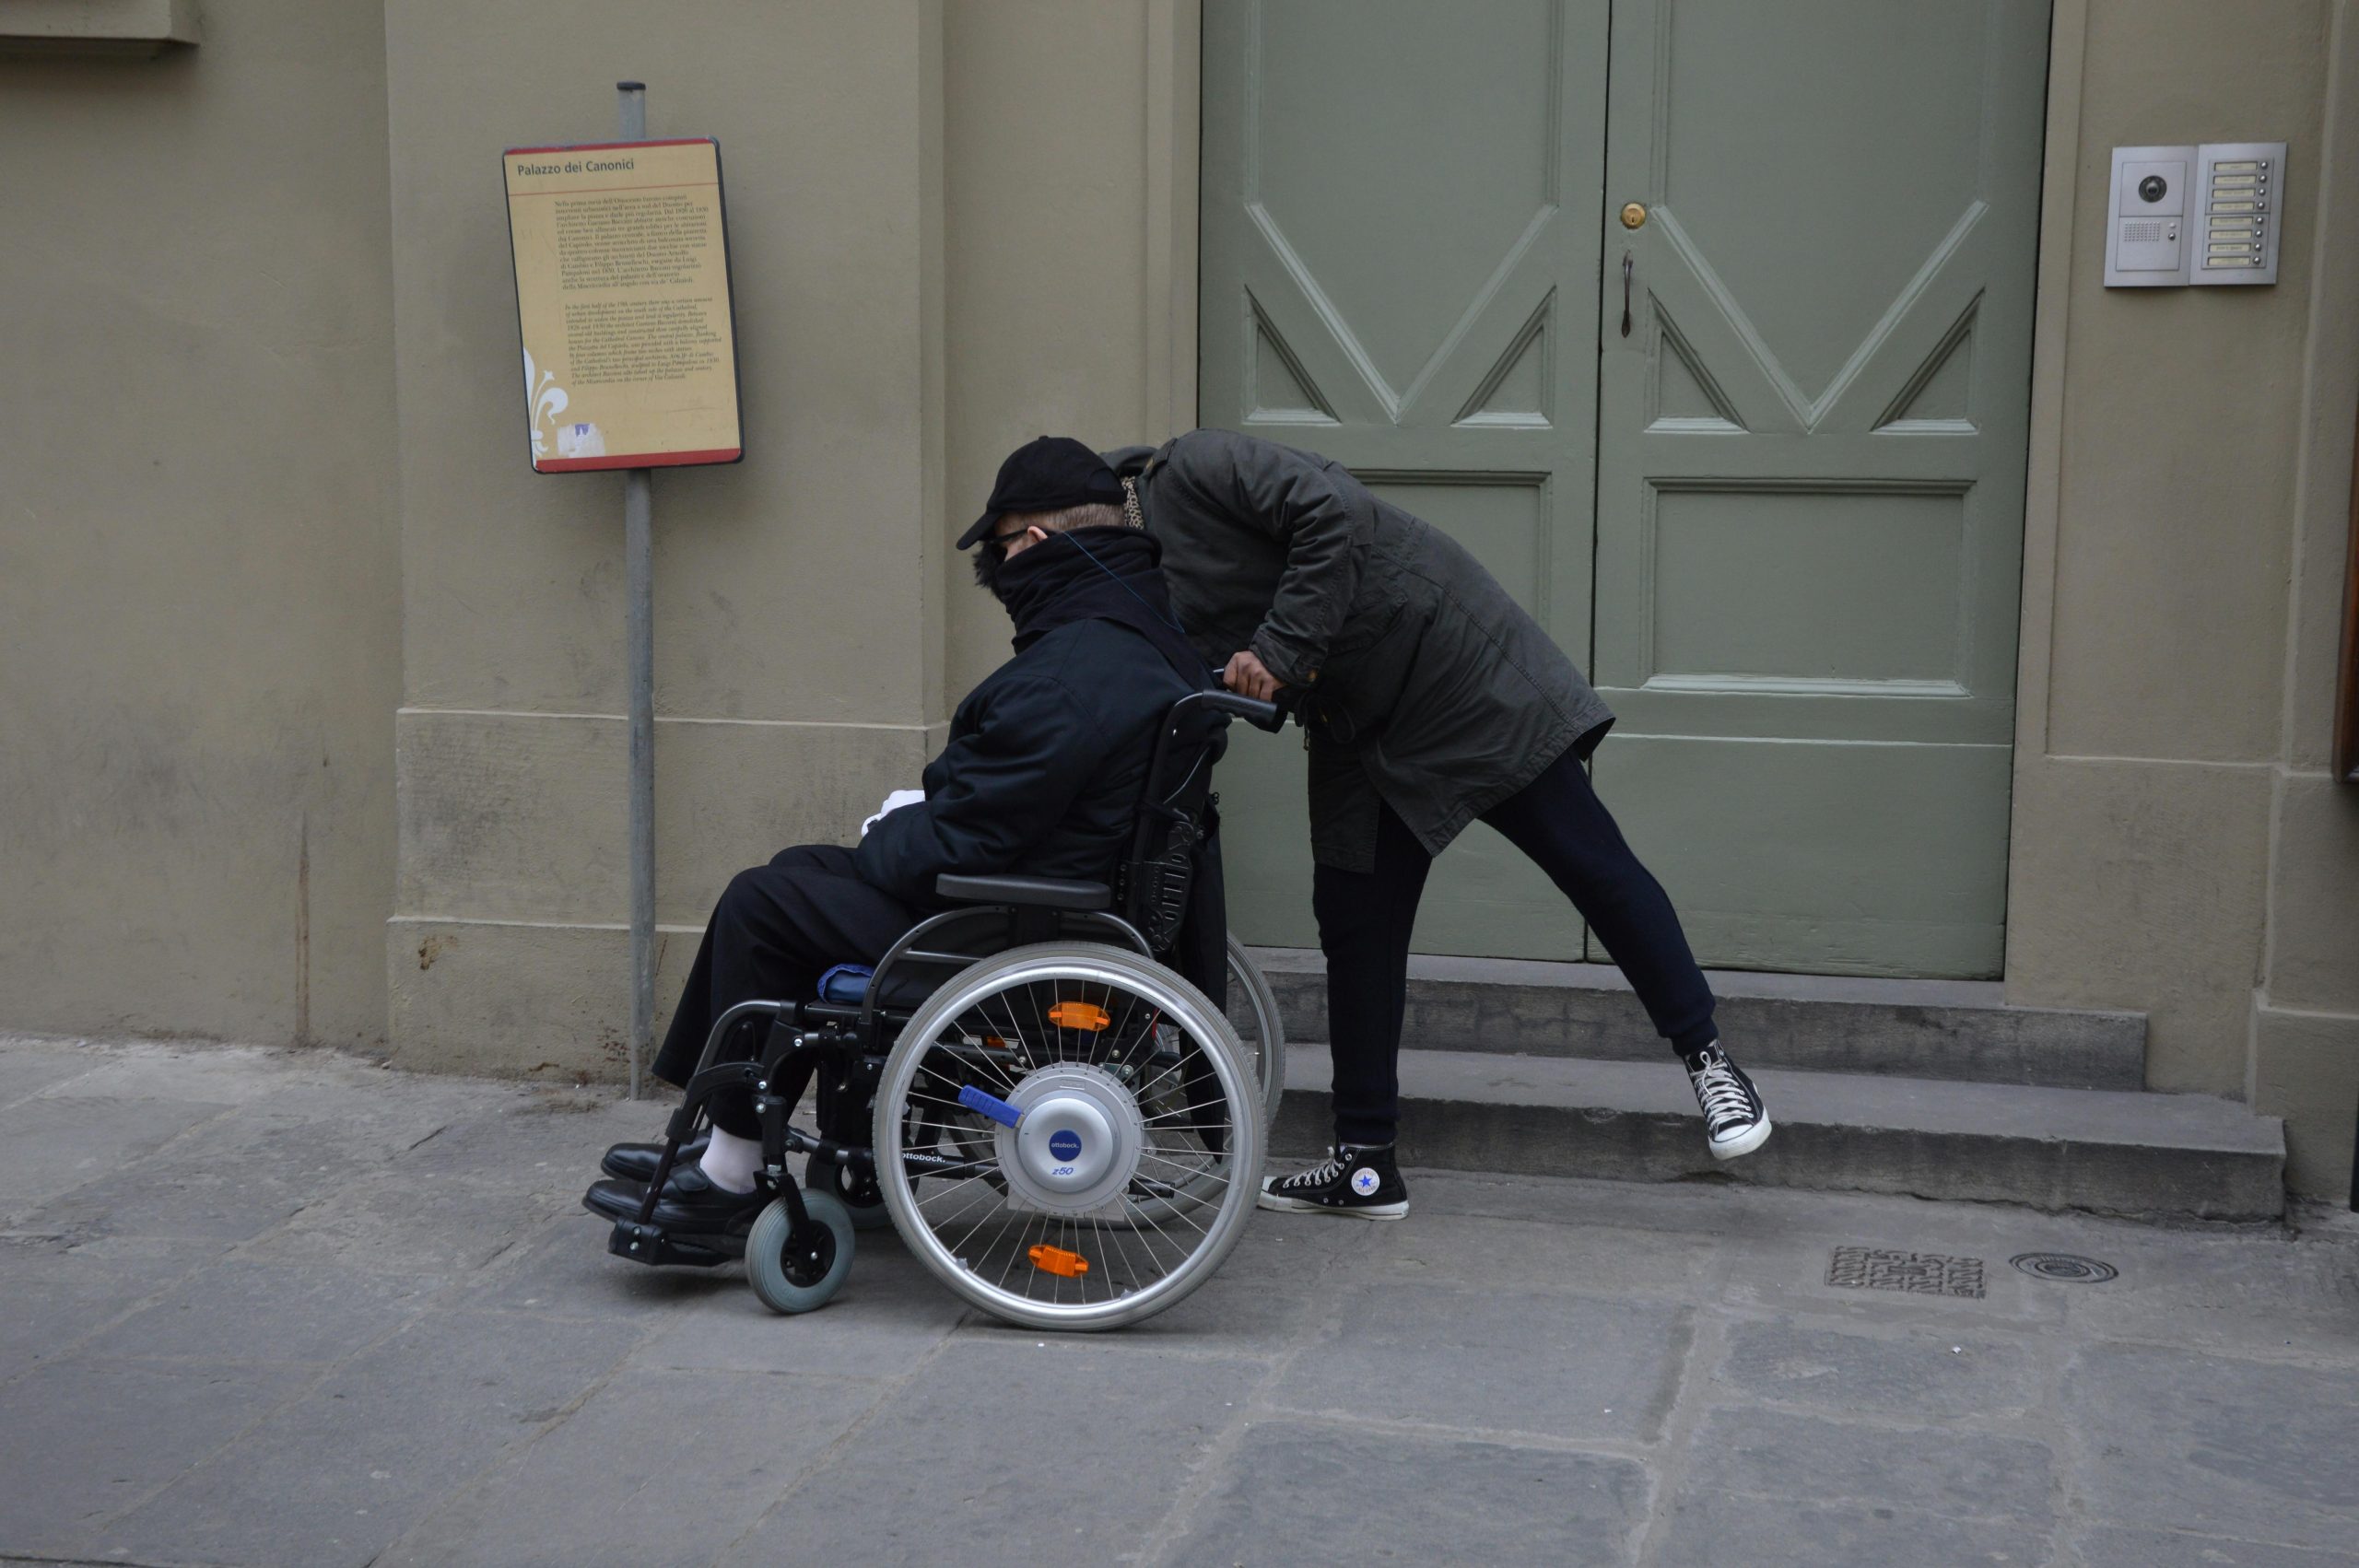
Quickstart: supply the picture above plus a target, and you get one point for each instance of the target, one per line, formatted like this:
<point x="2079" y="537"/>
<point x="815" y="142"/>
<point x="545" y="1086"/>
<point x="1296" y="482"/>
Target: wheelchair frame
<point x="846" y="1044"/>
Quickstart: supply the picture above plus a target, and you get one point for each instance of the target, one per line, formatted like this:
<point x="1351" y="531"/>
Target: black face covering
<point x="1085" y="574"/>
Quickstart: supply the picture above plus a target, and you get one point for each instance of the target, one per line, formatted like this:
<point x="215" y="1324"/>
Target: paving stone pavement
<point x="277" y="1307"/>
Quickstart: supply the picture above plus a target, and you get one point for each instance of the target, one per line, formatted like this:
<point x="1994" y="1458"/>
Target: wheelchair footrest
<point x="649" y="1243"/>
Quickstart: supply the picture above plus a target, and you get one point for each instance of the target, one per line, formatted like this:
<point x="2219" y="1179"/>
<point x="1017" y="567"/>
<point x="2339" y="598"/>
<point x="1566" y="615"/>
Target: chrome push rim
<point x="1266" y="1057"/>
<point x="1079" y="1024"/>
<point x="1267" y="1047"/>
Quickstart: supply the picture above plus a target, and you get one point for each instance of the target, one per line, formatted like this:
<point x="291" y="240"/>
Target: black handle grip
<point x="1261" y="715"/>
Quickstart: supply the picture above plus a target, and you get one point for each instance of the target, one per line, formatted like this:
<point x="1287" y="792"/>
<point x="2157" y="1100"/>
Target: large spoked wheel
<point x="1037" y="1119"/>
<point x="795" y="1272"/>
<point x="1253" y="1010"/>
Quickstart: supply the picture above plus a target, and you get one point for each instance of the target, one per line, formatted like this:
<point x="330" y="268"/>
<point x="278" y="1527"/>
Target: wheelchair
<point x="1060" y="1126"/>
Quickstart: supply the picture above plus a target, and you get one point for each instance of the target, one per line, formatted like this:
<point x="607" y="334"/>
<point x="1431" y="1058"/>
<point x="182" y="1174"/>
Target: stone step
<point x="2179" y="1156"/>
<point x="1961" y="1030"/>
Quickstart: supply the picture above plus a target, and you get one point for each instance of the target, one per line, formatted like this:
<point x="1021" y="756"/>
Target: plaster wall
<point x="2303" y="1058"/>
<point x="197" y="573"/>
<point x="798" y="622"/>
<point x="1071" y="220"/>
<point x="2176" y="846"/>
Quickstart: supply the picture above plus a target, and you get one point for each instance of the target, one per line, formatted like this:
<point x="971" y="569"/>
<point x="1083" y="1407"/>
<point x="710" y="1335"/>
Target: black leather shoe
<point x="637" y="1162"/>
<point x="687" y="1178"/>
<point x="691" y="1207"/>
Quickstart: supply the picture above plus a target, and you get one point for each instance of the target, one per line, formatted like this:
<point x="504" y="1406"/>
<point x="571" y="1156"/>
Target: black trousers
<point x="1365" y="919"/>
<point x="776" y="929"/>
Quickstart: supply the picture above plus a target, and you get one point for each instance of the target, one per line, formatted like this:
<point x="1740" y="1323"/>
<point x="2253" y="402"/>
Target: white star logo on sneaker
<point x="1365" y="1182"/>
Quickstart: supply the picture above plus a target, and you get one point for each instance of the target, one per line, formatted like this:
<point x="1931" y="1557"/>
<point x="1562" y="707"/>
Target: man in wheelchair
<point x="1042" y="777"/>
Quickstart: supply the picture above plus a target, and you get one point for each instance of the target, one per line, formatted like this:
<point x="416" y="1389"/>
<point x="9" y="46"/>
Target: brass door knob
<point x="1633" y="215"/>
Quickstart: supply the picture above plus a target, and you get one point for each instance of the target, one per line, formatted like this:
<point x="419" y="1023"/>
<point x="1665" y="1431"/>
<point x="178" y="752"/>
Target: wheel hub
<point x="1077" y="1144"/>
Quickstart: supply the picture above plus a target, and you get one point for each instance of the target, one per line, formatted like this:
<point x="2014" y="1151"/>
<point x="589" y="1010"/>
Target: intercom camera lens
<point x="2153" y="188"/>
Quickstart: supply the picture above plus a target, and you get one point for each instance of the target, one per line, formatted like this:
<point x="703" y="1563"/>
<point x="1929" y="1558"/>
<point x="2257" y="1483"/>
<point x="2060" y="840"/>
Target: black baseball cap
<point x="1046" y="474"/>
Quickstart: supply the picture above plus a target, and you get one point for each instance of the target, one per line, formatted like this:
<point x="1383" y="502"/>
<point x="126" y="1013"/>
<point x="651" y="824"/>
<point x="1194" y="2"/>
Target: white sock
<point x="730" y="1161"/>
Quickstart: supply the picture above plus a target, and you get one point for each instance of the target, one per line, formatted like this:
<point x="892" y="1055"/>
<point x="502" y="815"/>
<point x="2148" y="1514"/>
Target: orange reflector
<point x="1079" y="1015"/>
<point x="1056" y="1261"/>
<point x="995" y="1042"/>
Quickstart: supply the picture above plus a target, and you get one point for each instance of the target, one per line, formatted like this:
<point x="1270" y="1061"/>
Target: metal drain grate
<point x="1919" y="1273"/>
<point x="2065" y="1266"/>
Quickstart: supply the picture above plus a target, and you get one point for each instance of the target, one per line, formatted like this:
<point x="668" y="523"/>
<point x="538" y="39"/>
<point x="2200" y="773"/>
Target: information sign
<point x="622" y="295"/>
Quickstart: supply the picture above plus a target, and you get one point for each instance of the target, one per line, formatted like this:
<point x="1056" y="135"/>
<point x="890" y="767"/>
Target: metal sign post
<point x="629" y="349"/>
<point x="639" y="551"/>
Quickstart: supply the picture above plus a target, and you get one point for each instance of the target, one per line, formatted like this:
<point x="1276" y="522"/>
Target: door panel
<point x="1726" y="818"/>
<point x="1781" y="518"/>
<point x="1851" y="590"/>
<point x="1810" y="505"/>
<point x="1398" y="232"/>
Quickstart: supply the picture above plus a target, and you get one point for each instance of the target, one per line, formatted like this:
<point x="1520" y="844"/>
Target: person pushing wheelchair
<point x="1430" y="699"/>
<point x="1044" y="765"/>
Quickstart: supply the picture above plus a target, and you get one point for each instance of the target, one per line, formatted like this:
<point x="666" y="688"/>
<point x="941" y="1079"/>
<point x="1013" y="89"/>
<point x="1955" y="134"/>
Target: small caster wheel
<point x="859" y="1192"/>
<point x="795" y="1274"/>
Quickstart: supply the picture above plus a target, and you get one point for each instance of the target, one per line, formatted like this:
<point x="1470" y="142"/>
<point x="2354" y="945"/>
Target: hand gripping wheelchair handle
<point x="1262" y="715"/>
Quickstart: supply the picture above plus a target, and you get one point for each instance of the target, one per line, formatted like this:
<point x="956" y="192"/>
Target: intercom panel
<point x="2238" y="189"/>
<point x="2194" y="214"/>
<point x="2147" y="245"/>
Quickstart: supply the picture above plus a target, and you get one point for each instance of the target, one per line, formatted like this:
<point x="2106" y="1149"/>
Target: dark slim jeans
<point x="1365" y="919"/>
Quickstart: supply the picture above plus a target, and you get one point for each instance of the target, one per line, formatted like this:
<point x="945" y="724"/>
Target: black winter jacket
<point x="1043" y="771"/>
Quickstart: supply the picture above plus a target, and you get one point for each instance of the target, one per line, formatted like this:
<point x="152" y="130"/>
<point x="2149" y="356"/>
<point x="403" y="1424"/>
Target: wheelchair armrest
<point x="1038" y="891"/>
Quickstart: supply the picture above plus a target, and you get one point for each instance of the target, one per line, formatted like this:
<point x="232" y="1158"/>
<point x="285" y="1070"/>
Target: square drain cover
<point x="1921" y="1273"/>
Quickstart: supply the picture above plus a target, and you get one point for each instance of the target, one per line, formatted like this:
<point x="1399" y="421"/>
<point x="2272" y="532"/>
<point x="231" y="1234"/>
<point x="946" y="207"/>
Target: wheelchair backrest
<point x="1176" y="811"/>
<point x="1151" y="886"/>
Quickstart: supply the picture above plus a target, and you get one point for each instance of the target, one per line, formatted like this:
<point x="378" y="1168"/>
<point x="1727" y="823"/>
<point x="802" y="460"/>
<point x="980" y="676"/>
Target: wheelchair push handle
<point x="1261" y="715"/>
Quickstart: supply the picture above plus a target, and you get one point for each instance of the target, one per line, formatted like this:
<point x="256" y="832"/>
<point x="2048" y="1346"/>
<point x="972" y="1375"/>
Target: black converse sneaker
<point x="1735" y="1120"/>
<point x="1363" y="1183"/>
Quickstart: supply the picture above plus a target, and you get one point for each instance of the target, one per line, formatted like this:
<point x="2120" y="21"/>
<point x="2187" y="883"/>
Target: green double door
<point x="1707" y="325"/>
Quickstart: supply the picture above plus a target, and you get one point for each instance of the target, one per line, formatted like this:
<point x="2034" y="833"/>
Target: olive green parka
<point x="1421" y="683"/>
